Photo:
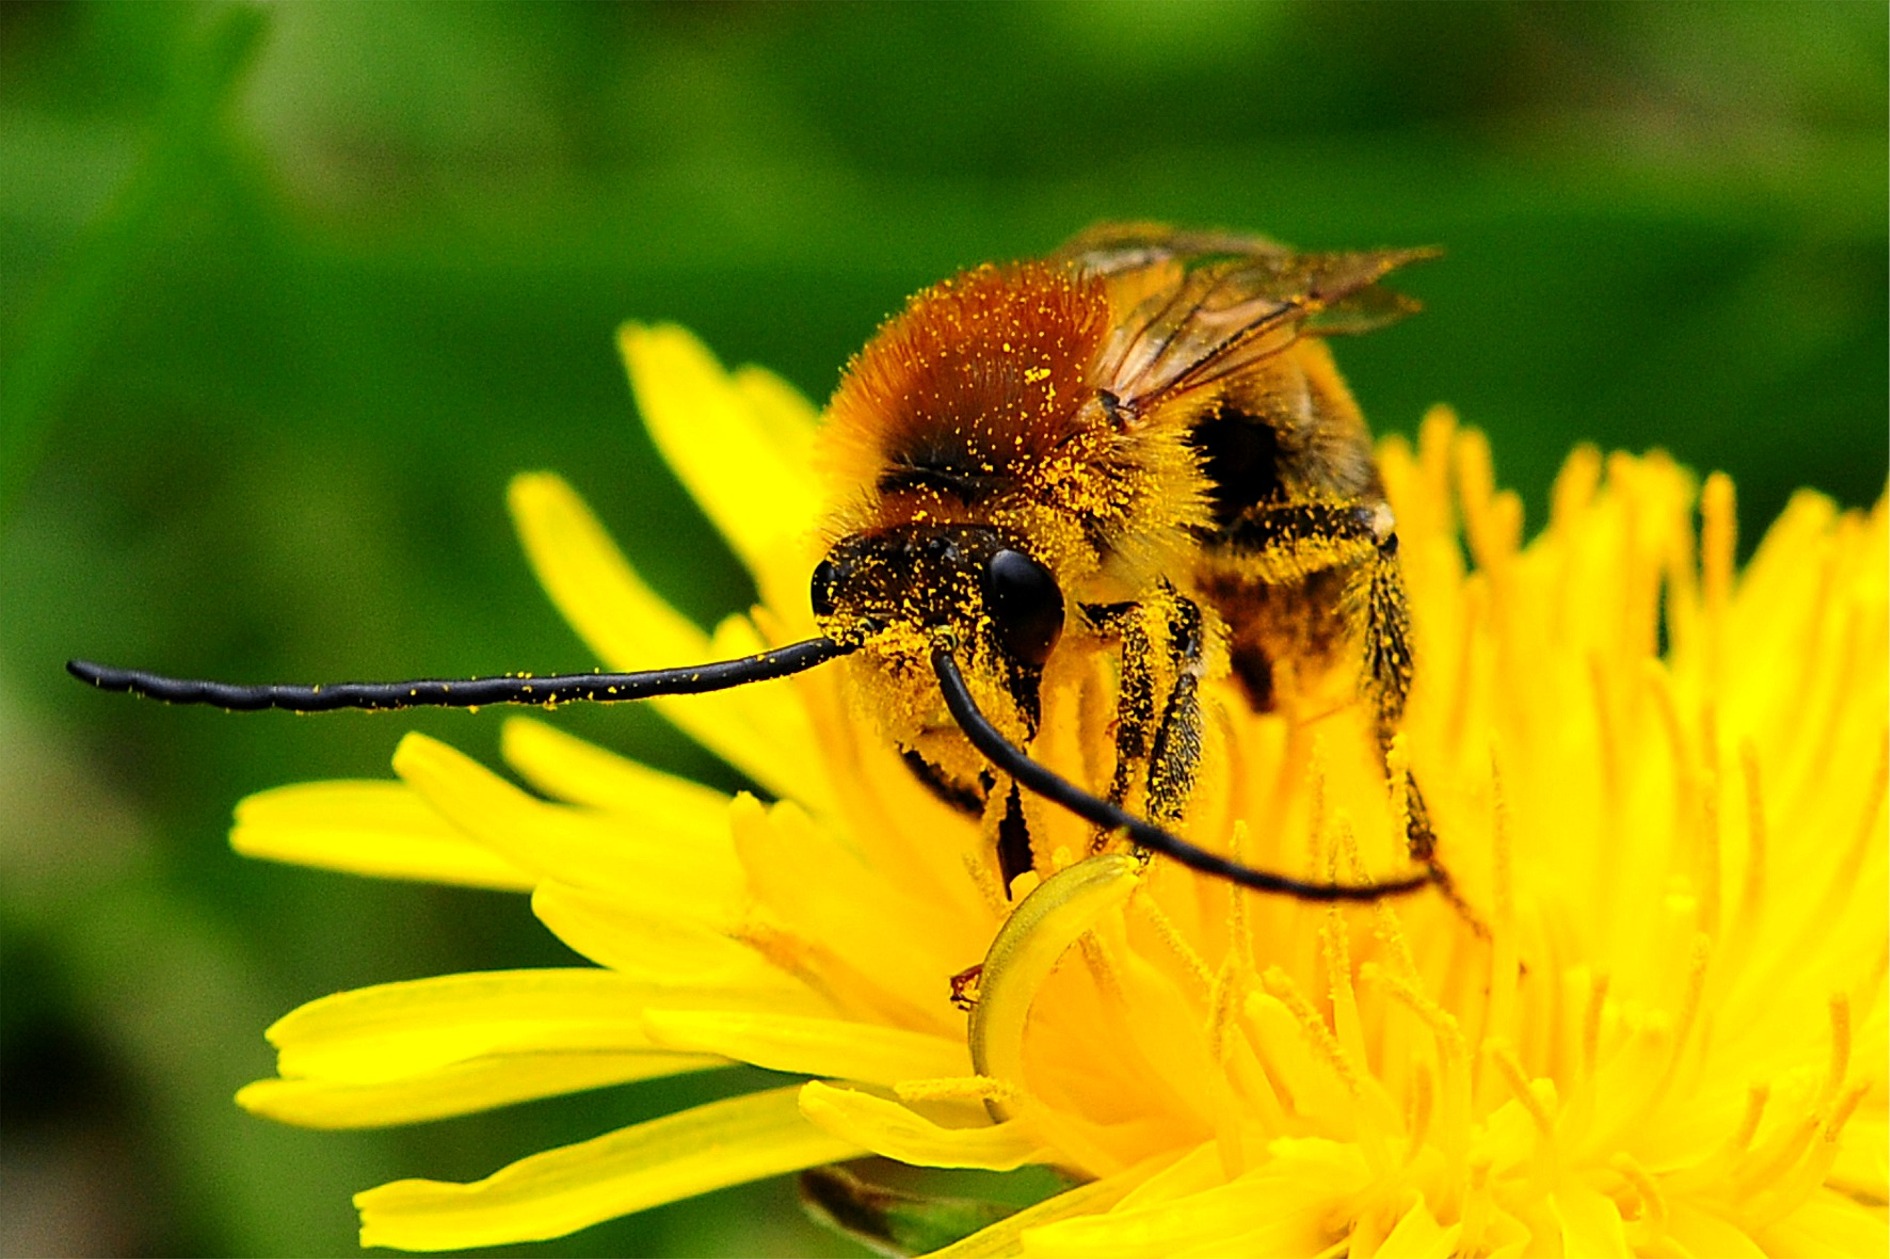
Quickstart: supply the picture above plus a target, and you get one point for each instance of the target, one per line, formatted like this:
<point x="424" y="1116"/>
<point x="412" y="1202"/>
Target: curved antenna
<point x="563" y="688"/>
<point x="1013" y="760"/>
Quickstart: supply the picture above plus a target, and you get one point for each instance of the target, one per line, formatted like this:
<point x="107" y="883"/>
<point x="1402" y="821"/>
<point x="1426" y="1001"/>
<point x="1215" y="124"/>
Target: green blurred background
<point x="290" y="292"/>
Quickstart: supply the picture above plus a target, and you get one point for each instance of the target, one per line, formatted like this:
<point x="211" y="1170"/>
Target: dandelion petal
<point x="639" y="942"/>
<point x="560" y="1191"/>
<point x="1419" y="1235"/>
<point x="728" y="453"/>
<point x="1829" y="1224"/>
<point x="1093" y="1198"/>
<point x="781" y="411"/>
<point x="865" y="1052"/>
<point x="630" y="627"/>
<point x="380" y="829"/>
<point x="588" y="849"/>
<point x="1703" y="1232"/>
<point x="1591" y="1223"/>
<point x="462" y="1088"/>
<point x="892" y="1131"/>
<point x="391" y="1031"/>
<point x="571" y="769"/>
<point x="585" y="574"/>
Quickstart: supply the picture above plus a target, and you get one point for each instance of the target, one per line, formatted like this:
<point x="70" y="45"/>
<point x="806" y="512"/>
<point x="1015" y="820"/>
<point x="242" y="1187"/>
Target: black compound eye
<point x="820" y="592"/>
<point x="1025" y="606"/>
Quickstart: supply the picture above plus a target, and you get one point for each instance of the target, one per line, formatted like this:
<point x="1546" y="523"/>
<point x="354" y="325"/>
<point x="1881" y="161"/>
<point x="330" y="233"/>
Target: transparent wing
<point x="1197" y="307"/>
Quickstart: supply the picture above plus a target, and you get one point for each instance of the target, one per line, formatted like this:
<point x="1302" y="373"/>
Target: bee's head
<point x="978" y="582"/>
<point x="893" y="591"/>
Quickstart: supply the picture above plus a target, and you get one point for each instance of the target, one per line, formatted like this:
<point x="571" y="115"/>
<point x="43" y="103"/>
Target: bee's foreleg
<point x="1128" y="624"/>
<point x="1158" y="707"/>
<point x="1176" y="753"/>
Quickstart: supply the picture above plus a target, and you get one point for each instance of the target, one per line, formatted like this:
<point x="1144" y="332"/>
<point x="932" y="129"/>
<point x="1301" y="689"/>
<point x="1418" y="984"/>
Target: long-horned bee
<point x="1137" y="446"/>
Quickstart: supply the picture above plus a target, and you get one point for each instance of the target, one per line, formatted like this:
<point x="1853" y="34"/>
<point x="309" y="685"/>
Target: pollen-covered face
<point x="895" y="591"/>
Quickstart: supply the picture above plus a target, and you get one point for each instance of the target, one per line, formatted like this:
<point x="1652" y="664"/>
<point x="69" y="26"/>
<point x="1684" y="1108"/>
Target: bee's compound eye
<point x="1025" y="606"/>
<point x="820" y="591"/>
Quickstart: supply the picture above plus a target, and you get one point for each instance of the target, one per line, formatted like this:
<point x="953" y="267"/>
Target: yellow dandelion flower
<point x="1662" y="780"/>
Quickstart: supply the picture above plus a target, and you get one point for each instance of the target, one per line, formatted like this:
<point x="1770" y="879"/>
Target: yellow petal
<point x="848" y="906"/>
<point x="781" y="411"/>
<point x="630" y="627"/>
<point x="1046" y="923"/>
<point x="461" y="1088"/>
<point x="603" y="598"/>
<point x="1286" y="1208"/>
<point x="1179" y="1175"/>
<point x="775" y="720"/>
<point x="395" y="1030"/>
<point x="1418" y="1235"/>
<point x="1704" y="1232"/>
<point x="587" y="849"/>
<point x="1829" y="1224"/>
<point x="1591" y="1223"/>
<point x="1003" y="1238"/>
<point x="652" y="946"/>
<point x="380" y="829"/>
<point x="761" y="494"/>
<point x="562" y="1190"/>
<point x="1234" y="1219"/>
<point x="580" y="772"/>
<point x="810" y="1046"/>
<point x="892" y="1131"/>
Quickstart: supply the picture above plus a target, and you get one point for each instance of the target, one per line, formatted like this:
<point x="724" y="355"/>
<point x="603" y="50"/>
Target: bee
<point x="1136" y="447"/>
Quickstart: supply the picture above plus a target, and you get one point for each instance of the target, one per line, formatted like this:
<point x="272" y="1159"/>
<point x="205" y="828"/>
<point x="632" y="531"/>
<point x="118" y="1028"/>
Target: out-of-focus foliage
<point x="287" y="294"/>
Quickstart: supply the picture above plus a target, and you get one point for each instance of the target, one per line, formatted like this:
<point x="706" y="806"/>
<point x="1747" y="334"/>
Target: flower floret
<point x="1659" y="782"/>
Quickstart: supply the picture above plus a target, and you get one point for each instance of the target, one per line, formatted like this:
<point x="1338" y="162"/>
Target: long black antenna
<point x="1013" y="760"/>
<point x="564" y="688"/>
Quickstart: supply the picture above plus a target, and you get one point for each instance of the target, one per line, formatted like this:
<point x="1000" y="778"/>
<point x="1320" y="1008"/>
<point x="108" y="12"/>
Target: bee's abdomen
<point x="1240" y="458"/>
<point x="1302" y="621"/>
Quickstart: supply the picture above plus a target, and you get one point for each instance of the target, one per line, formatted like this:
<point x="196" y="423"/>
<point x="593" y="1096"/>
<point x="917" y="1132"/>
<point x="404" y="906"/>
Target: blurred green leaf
<point x="56" y="336"/>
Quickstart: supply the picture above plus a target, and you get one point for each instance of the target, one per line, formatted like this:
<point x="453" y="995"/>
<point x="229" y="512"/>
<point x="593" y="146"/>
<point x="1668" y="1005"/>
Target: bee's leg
<point x="1005" y="823"/>
<point x="1388" y="671"/>
<point x="990" y="797"/>
<point x="1158" y="710"/>
<point x="1135" y="691"/>
<point x="1176" y="753"/>
<point x="966" y="798"/>
<point x="1294" y="542"/>
<point x="1014" y="852"/>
